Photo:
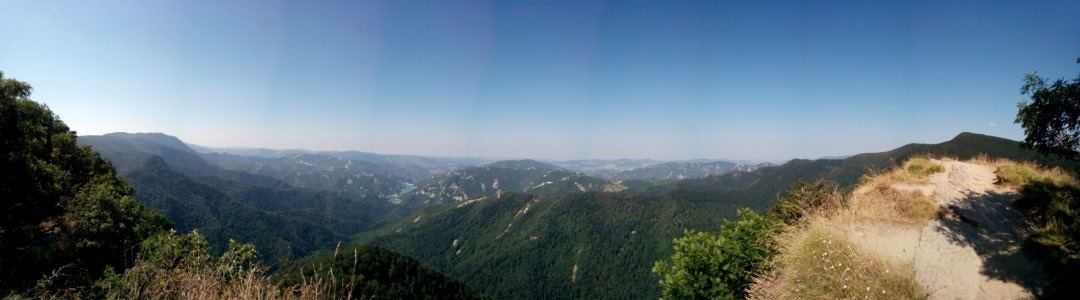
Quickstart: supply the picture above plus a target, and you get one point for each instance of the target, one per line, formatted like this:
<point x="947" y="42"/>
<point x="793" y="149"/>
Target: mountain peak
<point x="152" y="137"/>
<point x="523" y="164"/>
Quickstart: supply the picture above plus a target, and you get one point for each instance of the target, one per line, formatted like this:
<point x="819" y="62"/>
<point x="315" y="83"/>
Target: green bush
<point x="173" y="266"/>
<point x="719" y="266"/>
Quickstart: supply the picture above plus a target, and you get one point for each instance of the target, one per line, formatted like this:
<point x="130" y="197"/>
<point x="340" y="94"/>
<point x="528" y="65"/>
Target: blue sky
<point x="541" y="79"/>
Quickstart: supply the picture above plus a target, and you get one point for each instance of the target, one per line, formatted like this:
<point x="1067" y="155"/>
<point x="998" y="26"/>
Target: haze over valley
<point x="248" y="149"/>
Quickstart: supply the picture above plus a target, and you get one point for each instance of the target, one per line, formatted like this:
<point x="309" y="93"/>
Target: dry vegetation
<point x="178" y="267"/>
<point x="900" y="195"/>
<point x="819" y="262"/>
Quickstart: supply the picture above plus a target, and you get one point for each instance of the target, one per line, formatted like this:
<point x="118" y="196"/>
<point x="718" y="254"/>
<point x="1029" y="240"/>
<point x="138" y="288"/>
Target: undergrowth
<point x="172" y="266"/>
<point x="1049" y="198"/>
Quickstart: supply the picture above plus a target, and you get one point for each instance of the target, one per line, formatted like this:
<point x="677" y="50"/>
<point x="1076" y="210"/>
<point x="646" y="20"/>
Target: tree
<point x="707" y="266"/>
<point x="1051" y="121"/>
<point x="65" y="216"/>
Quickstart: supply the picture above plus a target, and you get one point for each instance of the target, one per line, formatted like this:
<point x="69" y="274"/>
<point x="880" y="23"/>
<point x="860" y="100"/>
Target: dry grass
<point x="141" y="282"/>
<point x="878" y="198"/>
<point x="1019" y="174"/>
<point x="1016" y="174"/>
<point x="916" y="170"/>
<point x="195" y="284"/>
<point x="817" y="264"/>
<point x="880" y="201"/>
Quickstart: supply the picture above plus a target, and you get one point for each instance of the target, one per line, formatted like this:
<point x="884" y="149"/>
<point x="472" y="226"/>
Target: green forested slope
<point x="282" y="221"/>
<point x="525" y="246"/>
<point x="591" y="245"/>
<point x="371" y="272"/>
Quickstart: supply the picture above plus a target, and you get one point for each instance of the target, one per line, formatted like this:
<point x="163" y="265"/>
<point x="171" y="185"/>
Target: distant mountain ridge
<point x="513" y="229"/>
<point x="683" y="170"/>
<point x="418" y="168"/>
<point x="492" y="180"/>
<point x="281" y="220"/>
<point x="320" y="172"/>
<point x="603" y="244"/>
<point x="524" y="164"/>
<point x="410" y="166"/>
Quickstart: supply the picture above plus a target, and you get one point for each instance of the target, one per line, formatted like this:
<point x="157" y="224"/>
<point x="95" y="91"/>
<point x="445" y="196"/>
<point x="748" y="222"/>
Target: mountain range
<point x="511" y="229"/>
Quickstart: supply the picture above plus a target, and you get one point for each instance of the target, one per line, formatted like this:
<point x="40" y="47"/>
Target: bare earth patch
<point x="972" y="251"/>
<point x="931" y="228"/>
<point x="977" y="239"/>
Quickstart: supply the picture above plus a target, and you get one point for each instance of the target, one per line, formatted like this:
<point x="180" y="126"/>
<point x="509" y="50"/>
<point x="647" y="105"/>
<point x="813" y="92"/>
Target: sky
<point x="757" y="80"/>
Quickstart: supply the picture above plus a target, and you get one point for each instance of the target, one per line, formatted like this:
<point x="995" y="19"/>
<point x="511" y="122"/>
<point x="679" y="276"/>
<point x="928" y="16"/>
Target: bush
<point x="805" y="198"/>
<point x="172" y="266"/>
<point x="709" y="266"/>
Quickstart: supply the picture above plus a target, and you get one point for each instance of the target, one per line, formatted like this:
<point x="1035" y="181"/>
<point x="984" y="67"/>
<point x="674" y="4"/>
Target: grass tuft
<point x="922" y="167"/>
<point x="820" y="265"/>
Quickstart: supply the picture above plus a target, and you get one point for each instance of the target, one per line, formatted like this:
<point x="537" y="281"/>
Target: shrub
<point x="719" y="266"/>
<point x="805" y="198"/>
<point x="172" y="266"/>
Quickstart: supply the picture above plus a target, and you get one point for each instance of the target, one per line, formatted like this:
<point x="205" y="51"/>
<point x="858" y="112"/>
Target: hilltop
<point x="933" y="228"/>
<point x="592" y="234"/>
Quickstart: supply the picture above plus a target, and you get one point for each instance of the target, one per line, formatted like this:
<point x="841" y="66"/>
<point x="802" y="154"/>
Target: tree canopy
<point x="1051" y="121"/>
<point x="65" y="216"/>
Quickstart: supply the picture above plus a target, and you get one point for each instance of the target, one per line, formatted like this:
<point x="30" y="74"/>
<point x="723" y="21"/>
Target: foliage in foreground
<point x="172" y="266"/>
<point x="1051" y="121"/>
<point x="705" y="265"/>
<point x="814" y="262"/>
<point x="67" y="216"/>
<point x="1051" y="200"/>
<point x="719" y="266"/>
<point x="726" y="265"/>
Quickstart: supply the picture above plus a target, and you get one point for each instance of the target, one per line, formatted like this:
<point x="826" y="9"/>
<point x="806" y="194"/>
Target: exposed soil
<point x="972" y="251"/>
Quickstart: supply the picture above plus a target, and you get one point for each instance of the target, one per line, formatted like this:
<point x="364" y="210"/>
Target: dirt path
<point x="972" y="250"/>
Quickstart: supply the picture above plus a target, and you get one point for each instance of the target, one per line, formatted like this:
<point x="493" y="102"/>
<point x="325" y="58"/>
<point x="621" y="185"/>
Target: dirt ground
<point x="972" y="251"/>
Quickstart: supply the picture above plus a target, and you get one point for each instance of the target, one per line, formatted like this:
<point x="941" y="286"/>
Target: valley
<point x="510" y="228"/>
<point x="287" y="150"/>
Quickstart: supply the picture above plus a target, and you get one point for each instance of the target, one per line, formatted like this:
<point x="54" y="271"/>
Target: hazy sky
<point x="541" y="79"/>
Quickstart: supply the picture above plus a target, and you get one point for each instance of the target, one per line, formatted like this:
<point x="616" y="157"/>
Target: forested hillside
<point x="512" y="229"/>
<point x="591" y="245"/>
<point x="72" y="228"/>
<point x="320" y="172"/>
<point x="282" y="221"/>
<point x="368" y="271"/>
<point x="603" y="244"/>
